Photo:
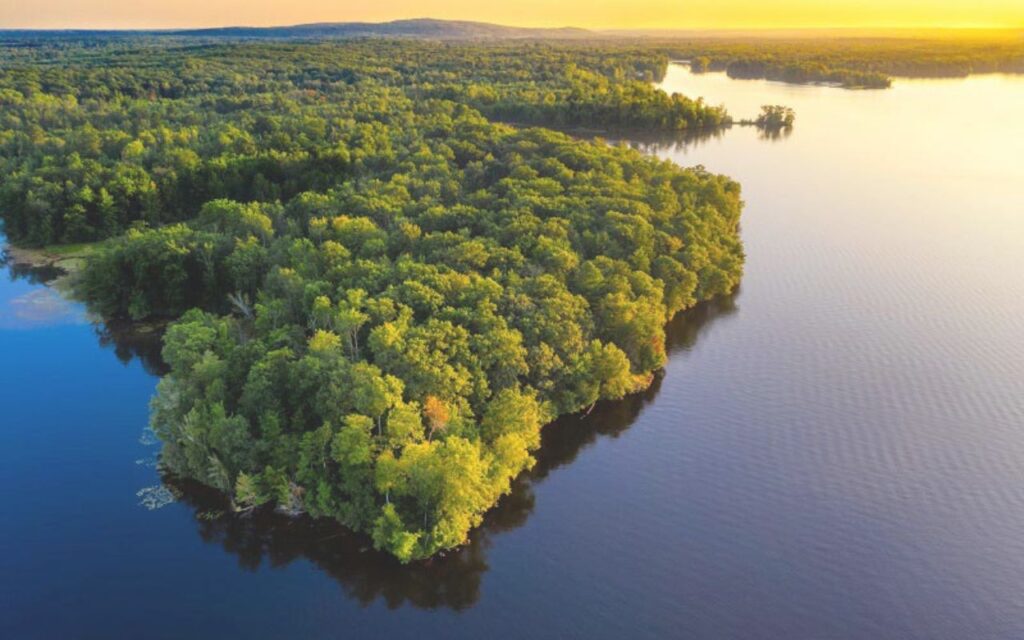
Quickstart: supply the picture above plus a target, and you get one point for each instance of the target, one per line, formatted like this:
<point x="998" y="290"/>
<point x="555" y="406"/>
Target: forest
<point x="381" y="291"/>
<point x="95" y="137"/>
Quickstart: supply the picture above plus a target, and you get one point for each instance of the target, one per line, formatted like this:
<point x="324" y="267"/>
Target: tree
<point x="775" y="117"/>
<point x="373" y="392"/>
<point x="511" y="411"/>
<point x="350" y="318"/>
<point x="404" y="425"/>
<point x="389" y="533"/>
<point x="437" y="415"/>
<point x="247" y="493"/>
<point x="353" y="444"/>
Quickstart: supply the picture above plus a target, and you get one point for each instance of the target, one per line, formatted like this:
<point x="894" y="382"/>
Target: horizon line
<point x="596" y="30"/>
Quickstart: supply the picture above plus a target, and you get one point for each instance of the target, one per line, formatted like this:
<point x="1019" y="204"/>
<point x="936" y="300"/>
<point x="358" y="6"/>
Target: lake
<point x="835" y="452"/>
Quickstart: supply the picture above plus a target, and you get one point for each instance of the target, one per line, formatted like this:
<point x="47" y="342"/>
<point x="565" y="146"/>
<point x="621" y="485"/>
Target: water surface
<point x="837" y="452"/>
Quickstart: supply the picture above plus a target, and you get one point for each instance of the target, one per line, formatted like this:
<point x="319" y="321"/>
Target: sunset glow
<point x="594" y="14"/>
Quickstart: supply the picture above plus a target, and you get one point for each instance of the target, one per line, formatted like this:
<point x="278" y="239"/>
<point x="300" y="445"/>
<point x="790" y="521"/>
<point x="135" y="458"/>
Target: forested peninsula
<point x="381" y="293"/>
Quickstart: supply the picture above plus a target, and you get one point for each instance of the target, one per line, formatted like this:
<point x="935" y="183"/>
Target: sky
<point x="594" y="14"/>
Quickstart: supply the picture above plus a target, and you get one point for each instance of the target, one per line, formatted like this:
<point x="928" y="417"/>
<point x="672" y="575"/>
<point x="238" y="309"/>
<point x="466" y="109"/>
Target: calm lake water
<point x="837" y="452"/>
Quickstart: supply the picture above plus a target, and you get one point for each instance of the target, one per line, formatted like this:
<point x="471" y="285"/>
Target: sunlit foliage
<point x="383" y="294"/>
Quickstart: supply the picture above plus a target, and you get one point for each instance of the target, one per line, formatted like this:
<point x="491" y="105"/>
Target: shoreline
<point x="55" y="265"/>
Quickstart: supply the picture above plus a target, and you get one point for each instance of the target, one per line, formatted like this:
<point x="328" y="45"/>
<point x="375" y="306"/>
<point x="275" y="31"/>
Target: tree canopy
<point x="98" y="137"/>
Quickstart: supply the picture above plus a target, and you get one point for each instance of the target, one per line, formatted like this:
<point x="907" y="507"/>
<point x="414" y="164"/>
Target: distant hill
<point x="417" y="28"/>
<point x="434" y="29"/>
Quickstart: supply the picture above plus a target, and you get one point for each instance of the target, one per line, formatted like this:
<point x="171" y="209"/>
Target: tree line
<point x="852" y="62"/>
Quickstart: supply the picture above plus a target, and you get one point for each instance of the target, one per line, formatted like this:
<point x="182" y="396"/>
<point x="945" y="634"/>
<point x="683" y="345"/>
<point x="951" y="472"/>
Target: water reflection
<point x="774" y="134"/>
<point x="39" y="307"/>
<point x="49" y="301"/>
<point x="131" y="341"/>
<point x="34" y="274"/>
<point x="35" y="305"/>
<point x="652" y="142"/>
<point x="662" y="144"/>
<point x="451" y="580"/>
<point x="641" y="139"/>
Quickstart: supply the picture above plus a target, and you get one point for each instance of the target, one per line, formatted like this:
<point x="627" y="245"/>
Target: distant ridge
<point x="427" y="28"/>
<point x="435" y="29"/>
<point x="418" y="28"/>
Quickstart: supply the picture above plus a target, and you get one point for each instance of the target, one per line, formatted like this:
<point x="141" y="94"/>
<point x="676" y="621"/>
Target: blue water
<point x="837" y="452"/>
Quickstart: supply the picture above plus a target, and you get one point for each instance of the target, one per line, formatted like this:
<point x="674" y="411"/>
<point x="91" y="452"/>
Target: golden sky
<point x="597" y="14"/>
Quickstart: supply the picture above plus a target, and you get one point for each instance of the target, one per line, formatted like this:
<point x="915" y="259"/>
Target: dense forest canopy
<point x="383" y="293"/>
<point x="95" y="138"/>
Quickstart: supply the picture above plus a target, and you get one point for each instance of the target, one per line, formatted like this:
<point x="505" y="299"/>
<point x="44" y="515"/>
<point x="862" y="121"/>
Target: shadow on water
<point x="128" y="340"/>
<point x="131" y="341"/>
<point x="36" y="274"/>
<point x="33" y="274"/>
<point x="451" y="580"/>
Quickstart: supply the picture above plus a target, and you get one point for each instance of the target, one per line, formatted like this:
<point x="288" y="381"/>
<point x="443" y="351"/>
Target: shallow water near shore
<point x="837" y="451"/>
